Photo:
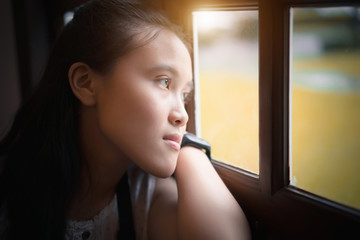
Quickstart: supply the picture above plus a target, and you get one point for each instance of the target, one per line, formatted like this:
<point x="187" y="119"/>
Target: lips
<point x="173" y="140"/>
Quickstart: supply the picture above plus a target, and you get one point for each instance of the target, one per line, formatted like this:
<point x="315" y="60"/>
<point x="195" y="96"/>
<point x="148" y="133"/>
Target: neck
<point x="103" y="165"/>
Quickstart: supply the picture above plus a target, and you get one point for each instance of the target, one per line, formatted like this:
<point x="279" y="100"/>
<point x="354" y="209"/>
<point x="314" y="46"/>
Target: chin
<point x="163" y="169"/>
<point x="163" y="172"/>
<point x="159" y="165"/>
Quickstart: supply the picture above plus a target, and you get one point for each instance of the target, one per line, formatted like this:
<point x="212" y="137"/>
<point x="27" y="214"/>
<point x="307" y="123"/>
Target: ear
<point x="82" y="83"/>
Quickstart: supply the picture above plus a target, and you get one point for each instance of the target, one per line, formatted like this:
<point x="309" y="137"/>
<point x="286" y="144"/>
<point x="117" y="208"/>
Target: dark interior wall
<point x="28" y="29"/>
<point x="33" y="39"/>
<point x="9" y="78"/>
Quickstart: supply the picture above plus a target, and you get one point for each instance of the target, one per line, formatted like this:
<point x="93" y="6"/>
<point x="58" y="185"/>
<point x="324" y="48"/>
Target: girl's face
<point x="140" y="103"/>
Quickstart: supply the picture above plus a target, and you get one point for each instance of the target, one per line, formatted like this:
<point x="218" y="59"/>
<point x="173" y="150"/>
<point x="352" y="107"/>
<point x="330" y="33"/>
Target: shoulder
<point x="163" y="211"/>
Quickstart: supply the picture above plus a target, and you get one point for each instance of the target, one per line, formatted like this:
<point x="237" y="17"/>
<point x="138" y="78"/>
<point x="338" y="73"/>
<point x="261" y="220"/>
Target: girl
<point x="91" y="154"/>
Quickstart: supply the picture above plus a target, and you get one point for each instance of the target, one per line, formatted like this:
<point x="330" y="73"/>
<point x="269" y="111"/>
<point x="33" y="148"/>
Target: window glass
<point x="325" y="102"/>
<point x="226" y="83"/>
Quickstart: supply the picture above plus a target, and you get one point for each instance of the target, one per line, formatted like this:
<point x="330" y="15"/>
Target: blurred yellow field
<point x="229" y="119"/>
<point x="325" y="134"/>
<point x="326" y="144"/>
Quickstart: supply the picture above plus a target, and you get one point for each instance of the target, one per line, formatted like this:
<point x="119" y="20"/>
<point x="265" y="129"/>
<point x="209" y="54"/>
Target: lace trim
<point x="102" y="226"/>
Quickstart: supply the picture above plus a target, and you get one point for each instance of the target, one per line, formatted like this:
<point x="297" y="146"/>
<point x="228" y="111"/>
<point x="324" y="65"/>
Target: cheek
<point x="131" y="118"/>
<point x="118" y="116"/>
<point x="135" y="122"/>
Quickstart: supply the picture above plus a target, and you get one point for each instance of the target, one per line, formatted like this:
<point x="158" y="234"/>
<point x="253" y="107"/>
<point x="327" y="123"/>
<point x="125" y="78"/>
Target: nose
<point x="178" y="116"/>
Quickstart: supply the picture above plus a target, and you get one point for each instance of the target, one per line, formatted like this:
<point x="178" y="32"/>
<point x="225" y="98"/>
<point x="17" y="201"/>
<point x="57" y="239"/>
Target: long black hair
<point x="40" y="163"/>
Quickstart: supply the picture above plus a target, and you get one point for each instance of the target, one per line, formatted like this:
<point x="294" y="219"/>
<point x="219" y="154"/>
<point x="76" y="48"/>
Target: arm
<point x="201" y="208"/>
<point x="206" y="208"/>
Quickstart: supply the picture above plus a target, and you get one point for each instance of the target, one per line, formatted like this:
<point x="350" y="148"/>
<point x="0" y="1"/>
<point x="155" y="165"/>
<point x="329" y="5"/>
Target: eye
<point x="186" y="96"/>
<point x="165" y="83"/>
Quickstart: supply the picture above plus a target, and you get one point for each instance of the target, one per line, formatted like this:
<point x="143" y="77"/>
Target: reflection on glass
<point x="325" y="92"/>
<point x="226" y="71"/>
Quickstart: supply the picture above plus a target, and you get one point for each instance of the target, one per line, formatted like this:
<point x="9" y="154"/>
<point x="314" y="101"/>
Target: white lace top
<point x="105" y="225"/>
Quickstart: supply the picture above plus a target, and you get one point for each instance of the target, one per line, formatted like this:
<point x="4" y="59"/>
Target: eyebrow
<point x="165" y="67"/>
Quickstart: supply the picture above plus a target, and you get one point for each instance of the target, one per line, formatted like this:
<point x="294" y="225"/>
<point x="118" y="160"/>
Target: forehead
<point x="164" y="49"/>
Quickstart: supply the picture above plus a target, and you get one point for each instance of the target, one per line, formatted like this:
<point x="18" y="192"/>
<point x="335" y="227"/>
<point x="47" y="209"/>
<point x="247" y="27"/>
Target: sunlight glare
<point x="209" y="20"/>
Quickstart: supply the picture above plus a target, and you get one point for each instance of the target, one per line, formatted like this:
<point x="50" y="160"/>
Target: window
<point x="325" y="105"/>
<point x="276" y="202"/>
<point x="226" y="65"/>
